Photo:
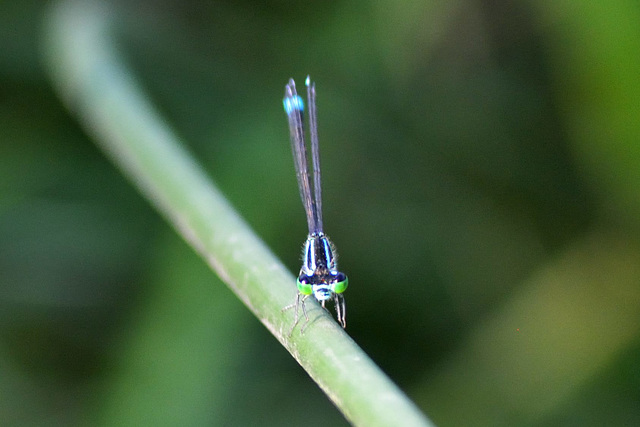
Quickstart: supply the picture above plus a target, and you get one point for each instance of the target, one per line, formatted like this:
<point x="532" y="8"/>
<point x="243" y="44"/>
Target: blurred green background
<point x="481" y="166"/>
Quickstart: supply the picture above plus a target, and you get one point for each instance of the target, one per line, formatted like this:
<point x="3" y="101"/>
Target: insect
<point x="319" y="275"/>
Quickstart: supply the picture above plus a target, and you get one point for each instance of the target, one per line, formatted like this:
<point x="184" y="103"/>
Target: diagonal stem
<point x="99" y="90"/>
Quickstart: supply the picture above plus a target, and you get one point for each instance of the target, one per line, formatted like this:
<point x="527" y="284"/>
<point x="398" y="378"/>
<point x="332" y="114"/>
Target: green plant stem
<point x="97" y="87"/>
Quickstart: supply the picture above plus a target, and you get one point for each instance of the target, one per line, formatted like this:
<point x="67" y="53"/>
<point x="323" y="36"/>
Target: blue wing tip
<point x="292" y="103"/>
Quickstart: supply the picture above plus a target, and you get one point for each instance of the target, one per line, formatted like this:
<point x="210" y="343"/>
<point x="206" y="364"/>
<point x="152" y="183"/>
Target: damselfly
<point x="319" y="275"/>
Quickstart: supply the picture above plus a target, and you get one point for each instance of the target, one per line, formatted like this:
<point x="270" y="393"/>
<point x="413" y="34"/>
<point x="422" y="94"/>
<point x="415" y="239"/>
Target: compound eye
<point x="304" y="285"/>
<point x="341" y="283"/>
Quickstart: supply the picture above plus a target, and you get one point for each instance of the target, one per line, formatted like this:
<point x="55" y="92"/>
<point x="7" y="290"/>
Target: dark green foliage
<point x="481" y="180"/>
